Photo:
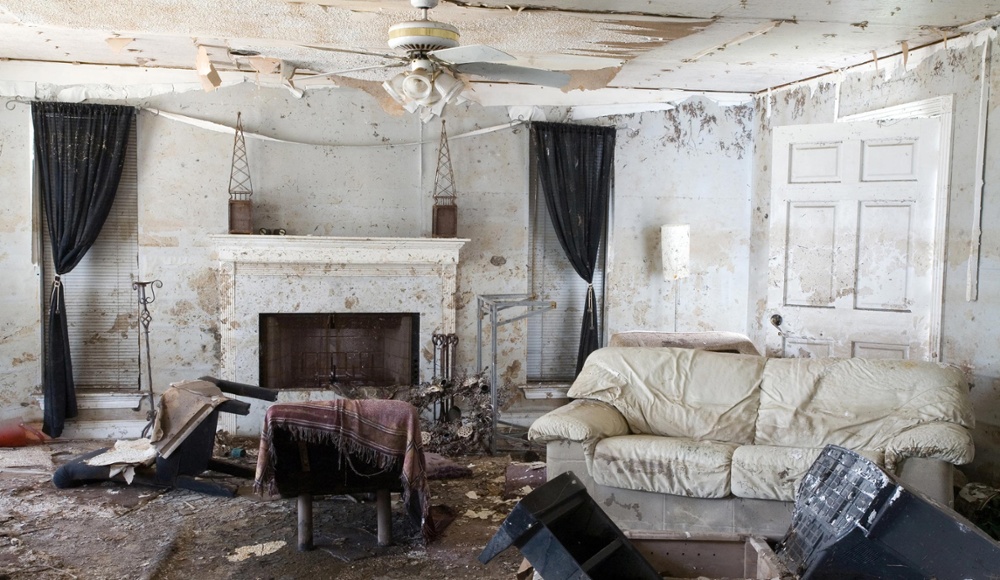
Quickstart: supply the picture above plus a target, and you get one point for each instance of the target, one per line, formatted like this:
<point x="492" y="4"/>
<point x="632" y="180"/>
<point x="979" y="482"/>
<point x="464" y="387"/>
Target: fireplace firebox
<point x="316" y="351"/>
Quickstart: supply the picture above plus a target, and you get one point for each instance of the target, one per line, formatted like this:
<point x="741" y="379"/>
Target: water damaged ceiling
<point x="725" y="46"/>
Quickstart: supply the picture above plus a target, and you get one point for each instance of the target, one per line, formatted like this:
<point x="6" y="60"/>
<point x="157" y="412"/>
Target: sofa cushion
<point x="855" y="403"/>
<point x="768" y="472"/>
<point x="676" y="392"/>
<point x="674" y="465"/>
<point x="580" y="420"/>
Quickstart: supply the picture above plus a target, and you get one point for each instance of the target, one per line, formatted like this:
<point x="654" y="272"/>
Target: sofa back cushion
<point x="676" y="392"/>
<point x="856" y="403"/>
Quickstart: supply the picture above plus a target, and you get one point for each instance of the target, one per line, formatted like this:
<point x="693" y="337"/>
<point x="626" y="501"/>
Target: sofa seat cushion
<point x="676" y="392"/>
<point x="770" y="472"/>
<point x="674" y="465"/>
<point x="856" y="403"/>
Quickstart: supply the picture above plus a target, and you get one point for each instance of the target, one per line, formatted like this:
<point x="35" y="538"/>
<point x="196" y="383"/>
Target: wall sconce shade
<point x="675" y="245"/>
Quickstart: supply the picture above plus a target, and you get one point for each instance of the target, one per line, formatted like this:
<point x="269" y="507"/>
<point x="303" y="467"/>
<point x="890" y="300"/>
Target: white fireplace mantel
<point x="289" y="274"/>
<point x="336" y="250"/>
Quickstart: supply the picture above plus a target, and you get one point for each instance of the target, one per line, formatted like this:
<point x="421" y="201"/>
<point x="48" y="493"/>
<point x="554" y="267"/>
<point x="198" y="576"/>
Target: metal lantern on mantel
<point x="240" y="187"/>
<point x="445" y="211"/>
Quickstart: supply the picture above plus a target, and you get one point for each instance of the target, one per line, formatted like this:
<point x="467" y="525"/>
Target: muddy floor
<point x="112" y="530"/>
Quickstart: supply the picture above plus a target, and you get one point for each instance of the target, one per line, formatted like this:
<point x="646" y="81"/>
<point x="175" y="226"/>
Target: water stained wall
<point x="690" y="165"/>
<point x="352" y="170"/>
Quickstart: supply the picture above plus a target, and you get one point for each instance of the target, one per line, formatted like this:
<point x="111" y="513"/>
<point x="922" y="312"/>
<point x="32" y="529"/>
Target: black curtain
<point x="575" y="163"/>
<point x="80" y="151"/>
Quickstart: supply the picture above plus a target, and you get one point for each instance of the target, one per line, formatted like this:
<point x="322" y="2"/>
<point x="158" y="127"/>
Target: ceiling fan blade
<point x="470" y="53"/>
<point x="350" y="70"/>
<point x="351" y="51"/>
<point x="518" y="74"/>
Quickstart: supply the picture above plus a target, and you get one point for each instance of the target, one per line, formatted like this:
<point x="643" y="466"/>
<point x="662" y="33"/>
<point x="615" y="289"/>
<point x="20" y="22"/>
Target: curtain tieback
<point x="590" y="303"/>
<point x="56" y="290"/>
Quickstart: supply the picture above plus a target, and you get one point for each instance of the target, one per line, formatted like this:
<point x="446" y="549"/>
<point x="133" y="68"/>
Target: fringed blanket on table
<point x="384" y="433"/>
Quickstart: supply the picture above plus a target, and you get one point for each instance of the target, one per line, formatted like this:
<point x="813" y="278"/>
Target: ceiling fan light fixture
<point x="394" y="87"/>
<point x="419" y="86"/>
<point x="447" y="86"/>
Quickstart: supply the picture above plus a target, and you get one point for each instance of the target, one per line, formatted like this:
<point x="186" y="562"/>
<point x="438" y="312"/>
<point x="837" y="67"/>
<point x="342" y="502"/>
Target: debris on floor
<point x="521" y="478"/>
<point x="111" y="530"/>
<point x="981" y="504"/>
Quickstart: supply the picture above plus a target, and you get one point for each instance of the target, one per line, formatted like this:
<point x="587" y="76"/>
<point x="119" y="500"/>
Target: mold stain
<point x="182" y="308"/>
<point x="633" y="507"/>
<point x="208" y="291"/>
<point x="122" y="324"/>
<point x="26" y="357"/>
<point x="512" y="373"/>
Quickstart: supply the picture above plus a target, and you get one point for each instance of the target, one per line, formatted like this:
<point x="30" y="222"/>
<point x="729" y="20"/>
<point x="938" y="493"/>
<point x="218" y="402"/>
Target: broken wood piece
<point x="521" y="475"/>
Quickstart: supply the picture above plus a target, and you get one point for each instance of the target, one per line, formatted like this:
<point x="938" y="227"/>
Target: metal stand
<point x="444" y="370"/>
<point x="145" y="318"/>
<point x="493" y="305"/>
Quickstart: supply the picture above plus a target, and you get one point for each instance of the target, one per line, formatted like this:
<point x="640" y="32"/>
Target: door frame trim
<point x="941" y="108"/>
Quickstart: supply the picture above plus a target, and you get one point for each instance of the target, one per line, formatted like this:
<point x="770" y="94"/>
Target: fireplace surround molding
<point x="268" y="273"/>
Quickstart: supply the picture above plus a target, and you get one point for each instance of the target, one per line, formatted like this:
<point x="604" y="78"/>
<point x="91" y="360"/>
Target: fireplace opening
<point x="318" y="351"/>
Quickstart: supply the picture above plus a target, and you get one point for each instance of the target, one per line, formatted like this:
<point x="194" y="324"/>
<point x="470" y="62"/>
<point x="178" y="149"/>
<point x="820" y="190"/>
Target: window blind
<point x="554" y="337"/>
<point x="102" y="307"/>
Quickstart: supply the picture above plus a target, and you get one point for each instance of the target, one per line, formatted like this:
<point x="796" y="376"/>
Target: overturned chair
<point x="181" y="444"/>
<point x="340" y="447"/>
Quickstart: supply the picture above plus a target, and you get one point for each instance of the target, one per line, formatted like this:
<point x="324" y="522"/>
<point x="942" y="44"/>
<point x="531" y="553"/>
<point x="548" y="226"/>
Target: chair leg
<point x="384" y="512"/>
<point x="305" y="522"/>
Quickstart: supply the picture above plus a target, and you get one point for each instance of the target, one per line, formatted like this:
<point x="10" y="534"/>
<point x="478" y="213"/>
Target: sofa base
<point x="644" y="510"/>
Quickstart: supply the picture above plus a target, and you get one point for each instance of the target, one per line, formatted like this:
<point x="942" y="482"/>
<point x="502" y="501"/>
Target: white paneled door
<point x="852" y="240"/>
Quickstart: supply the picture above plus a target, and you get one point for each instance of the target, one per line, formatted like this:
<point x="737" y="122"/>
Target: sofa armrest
<point x="581" y="420"/>
<point x="945" y="441"/>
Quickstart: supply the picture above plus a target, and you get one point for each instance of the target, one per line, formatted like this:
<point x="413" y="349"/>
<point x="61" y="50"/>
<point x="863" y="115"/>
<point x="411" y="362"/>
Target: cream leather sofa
<point x="694" y="441"/>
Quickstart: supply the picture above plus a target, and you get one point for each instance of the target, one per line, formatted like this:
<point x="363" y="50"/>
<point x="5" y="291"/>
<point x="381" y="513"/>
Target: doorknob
<point x="776" y="321"/>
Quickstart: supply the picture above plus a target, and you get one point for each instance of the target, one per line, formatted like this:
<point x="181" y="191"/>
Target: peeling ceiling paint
<point x="730" y="46"/>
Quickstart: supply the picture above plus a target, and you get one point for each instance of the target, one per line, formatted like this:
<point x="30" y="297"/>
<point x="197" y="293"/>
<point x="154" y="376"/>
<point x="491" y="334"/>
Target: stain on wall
<point x="690" y="165"/>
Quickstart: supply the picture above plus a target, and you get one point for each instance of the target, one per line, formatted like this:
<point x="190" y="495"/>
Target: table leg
<point x="306" y="522"/>
<point x="384" y="511"/>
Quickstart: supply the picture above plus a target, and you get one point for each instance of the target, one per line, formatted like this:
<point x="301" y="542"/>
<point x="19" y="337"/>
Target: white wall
<point x="20" y="299"/>
<point x="361" y="172"/>
<point x="691" y="165"/>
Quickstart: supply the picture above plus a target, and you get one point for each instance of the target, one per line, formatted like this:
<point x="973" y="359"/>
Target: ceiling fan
<point x="434" y="57"/>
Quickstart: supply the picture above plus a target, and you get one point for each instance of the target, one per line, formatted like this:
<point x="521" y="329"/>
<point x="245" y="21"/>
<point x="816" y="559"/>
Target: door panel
<point x="810" y="273"/>
<point x="883" y="256"/>
<point x="852" y="239"/>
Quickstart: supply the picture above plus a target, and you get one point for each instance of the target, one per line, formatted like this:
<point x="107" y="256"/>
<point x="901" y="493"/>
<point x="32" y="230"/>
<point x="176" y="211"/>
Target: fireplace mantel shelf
<point x="335" y="250"/>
